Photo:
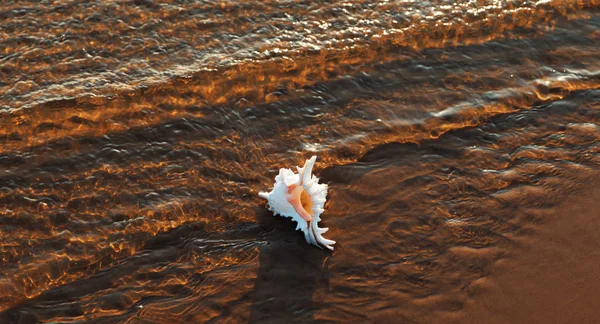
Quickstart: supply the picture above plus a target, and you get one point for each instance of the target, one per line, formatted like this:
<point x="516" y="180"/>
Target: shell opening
<point x="307" y="202"/>
<point x="301" y="201"/>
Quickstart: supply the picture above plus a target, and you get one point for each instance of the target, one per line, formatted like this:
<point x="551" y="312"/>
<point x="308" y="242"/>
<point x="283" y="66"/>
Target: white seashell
<point x="300" y="197"/>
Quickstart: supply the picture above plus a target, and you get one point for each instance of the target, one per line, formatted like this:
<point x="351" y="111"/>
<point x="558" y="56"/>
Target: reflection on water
<point x="136" y="135"/>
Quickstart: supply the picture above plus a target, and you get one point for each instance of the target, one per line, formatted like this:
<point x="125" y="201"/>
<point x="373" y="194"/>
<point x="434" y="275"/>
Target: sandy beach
<point x="553" y="276"/>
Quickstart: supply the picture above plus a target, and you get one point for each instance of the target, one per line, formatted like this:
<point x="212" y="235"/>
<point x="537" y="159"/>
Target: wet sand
<point x="553" y="276"/>
<point x="454" y="135"/>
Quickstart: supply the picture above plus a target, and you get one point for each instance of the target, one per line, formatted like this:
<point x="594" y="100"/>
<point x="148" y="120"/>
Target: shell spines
<point x="279" y="205"/>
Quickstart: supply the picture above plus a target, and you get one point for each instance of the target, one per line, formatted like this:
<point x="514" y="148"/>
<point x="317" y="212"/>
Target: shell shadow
<point x="289" y="273"/>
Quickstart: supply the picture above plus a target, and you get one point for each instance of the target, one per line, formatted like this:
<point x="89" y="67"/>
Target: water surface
<point x="135" y="136"/>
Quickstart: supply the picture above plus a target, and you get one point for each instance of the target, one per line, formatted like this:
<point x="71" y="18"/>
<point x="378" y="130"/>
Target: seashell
<point x="300" y="197"/>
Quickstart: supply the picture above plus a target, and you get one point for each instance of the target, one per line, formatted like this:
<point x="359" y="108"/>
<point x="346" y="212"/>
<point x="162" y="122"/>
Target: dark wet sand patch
<point x="553" y="276"/>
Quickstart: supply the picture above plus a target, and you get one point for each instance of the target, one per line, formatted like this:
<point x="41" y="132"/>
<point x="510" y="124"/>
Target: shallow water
<point x="136" y="135"/>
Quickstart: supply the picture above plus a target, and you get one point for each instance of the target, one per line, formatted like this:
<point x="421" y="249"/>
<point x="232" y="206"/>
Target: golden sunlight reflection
<point x="136" y="135"/>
